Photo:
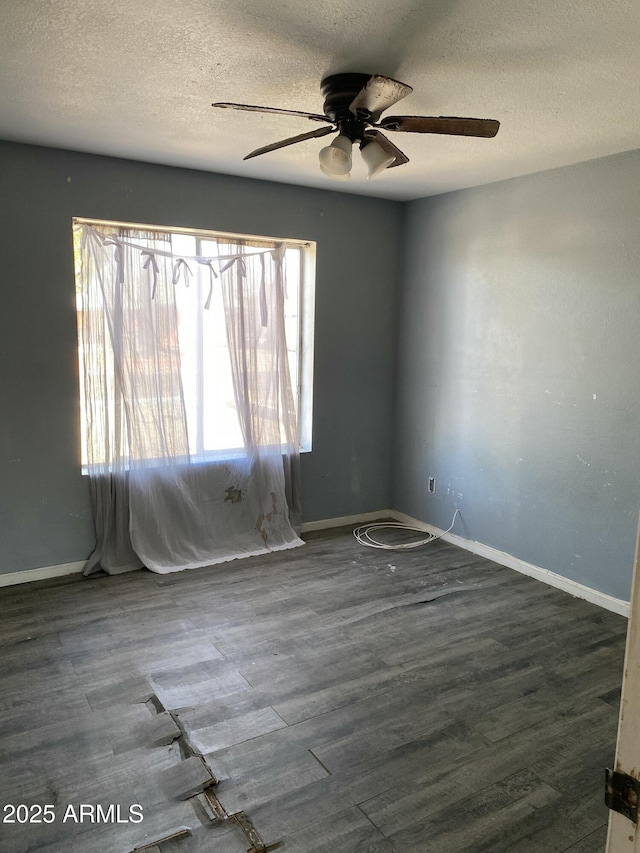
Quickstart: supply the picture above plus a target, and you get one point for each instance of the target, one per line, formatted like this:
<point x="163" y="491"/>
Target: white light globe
<point x="335" y="159"/>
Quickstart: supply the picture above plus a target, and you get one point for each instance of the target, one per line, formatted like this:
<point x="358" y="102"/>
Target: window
<point x="205" y="363"/>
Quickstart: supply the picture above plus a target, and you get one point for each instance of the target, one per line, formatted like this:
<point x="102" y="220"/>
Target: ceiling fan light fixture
<point x="335" y="159"/>
<point x="376" y="158"/>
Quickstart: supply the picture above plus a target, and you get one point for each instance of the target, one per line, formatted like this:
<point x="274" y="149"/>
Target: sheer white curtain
<point x="156" y="502"/>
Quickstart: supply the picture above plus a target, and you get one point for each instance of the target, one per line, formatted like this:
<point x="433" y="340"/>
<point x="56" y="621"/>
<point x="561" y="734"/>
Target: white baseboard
<point x="608" y="602"/>
<point x="41" y="574"/>
<point x="346" y="520"/>
<point x="578" y="590"/>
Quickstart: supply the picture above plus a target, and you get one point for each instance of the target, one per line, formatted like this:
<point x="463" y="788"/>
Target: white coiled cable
<point x="364" y="537"/>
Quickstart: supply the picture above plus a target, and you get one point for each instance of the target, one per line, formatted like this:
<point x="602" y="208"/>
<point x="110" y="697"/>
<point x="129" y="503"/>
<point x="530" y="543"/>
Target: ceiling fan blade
<point x="378" y="94"/>
<point x="450" y="125"/>
<point x="388" y="146"/>
<point x="255" y="109"/>
<point x="321" y="131"/>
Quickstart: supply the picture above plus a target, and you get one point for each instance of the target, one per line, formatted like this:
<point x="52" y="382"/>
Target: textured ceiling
<point x="136" y="80"/>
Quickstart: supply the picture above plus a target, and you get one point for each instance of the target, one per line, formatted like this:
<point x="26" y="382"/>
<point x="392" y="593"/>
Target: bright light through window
<point x="212" y="419"/>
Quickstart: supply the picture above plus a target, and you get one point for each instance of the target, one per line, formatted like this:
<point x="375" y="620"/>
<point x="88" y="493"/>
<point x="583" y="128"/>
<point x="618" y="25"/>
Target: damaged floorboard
<point x="343" y="699"/>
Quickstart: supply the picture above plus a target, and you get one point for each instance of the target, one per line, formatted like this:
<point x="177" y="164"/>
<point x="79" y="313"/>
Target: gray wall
<point x="519" y="357"/>
<point x="520" y="301"/>
<point x="45" y="516"/>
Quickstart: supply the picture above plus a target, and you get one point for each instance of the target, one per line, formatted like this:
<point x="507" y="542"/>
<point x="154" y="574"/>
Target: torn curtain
<point x="157" y="503"/>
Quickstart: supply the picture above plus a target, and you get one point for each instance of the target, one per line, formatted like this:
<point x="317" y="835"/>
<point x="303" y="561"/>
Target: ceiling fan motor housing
<point x="339" y="92"/>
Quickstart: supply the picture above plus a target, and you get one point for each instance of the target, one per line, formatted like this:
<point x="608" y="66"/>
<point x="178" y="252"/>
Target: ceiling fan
<point x="353" y="105"/>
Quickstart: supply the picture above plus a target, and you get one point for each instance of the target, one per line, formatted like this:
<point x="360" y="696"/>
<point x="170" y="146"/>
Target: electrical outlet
<point x="431" y="485"/>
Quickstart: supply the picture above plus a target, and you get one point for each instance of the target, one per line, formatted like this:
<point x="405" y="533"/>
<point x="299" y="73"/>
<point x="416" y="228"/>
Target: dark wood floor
<point x="342" y="705"/>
